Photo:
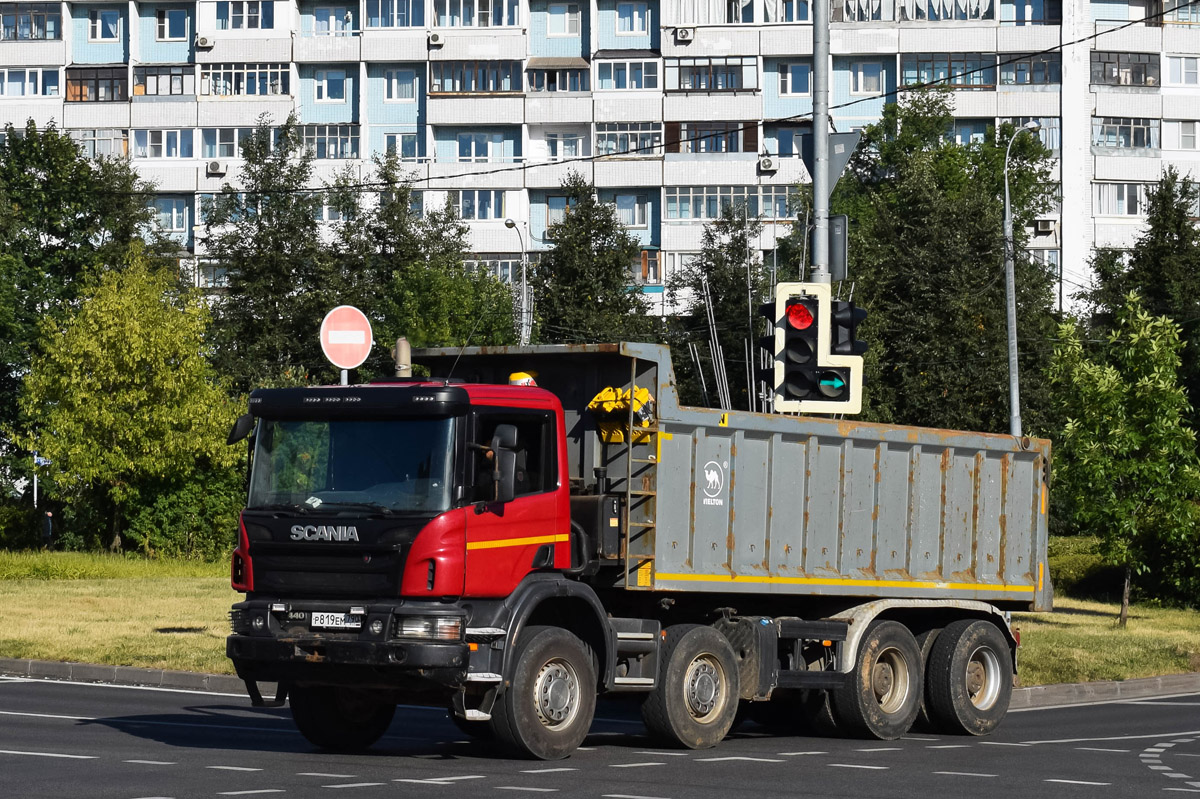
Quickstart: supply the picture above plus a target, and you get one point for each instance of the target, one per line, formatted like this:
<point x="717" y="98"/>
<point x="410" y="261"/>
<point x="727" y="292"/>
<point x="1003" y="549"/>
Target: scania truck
<point x="510" y="552"/>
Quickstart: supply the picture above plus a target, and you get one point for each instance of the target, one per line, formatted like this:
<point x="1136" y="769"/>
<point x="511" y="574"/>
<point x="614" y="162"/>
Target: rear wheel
<point x="549" y="703"/>
<point x="696" y="697"/>
<point x="341" y="719"/>
<point x="882" y="694"/>
<point x="969" y="684"/>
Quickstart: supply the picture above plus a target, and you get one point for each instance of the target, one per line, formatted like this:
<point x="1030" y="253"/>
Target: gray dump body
<point x="793" y="505"/>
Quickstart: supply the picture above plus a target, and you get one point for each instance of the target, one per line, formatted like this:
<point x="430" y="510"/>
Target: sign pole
<point x="345" y="377"/>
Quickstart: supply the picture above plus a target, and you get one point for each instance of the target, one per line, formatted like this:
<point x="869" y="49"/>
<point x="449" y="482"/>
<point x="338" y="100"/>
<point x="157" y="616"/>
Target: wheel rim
<point x="704" y="688"/>
<point x="983" y="677"/>
<point x="556" y="693"/>
<point x="889" y="680"/>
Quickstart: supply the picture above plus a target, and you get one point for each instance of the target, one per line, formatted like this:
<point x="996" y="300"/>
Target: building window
<point x="857" y="11"/>
<point x="1032" y="12"/>
<point x="245" y="15"/>
<point x="480" y="147"/>
<point x="1050" y="131"/>
<point x="646" y="269"/>
<point x="945" y="11"/>
<point x="706" y="202"/>
<point x="794" y="80"/>
<point x="632" y="210"/>
<point x="400" y="84"/>
<point x="866" y="77"/>
<point x="170" y="214"/>
<point x="558" y="80"/>
<point x="633" y="19"/>
<point x="711" y="74"/>
<point x="162" y="143"/>
<point x="951" y="70"/>
<point x="556" y="209"/>
<point x="97" y="85"/>
<point x="482" y="77"/>
<point x="1120" y="199"/>
<point x="333" y="21"/>
<point x="233" y="80"/>
<point x="502" y="267"/>
<point x="402" y="145"/>
<point x="97" y="143"/>
<point x="563" y="20"/>
<point x="28" y="83"/>
<point x="1125" y="69"/>
<point x="223" y="142"/>
<point x="564" y="145"/>
<point x="710" y="137"/>
<point x="395" y="13"/>
<point x="1031" y="70"/>
<point x="476" y="13"/>
<point x="1183" y="12"/>
<point x="478" y="203"/>
<point x="628" y="75"/>
<point x="1183" y="70"/>
<point x="331" y="141"/>
<point x="739" y="12"/>
<point x="970" y="131"/>
<point x="327" y="213"/>
<point x="30" y="22"/>
<point x="641" y="139"/>
<point x="163" y="81"/>
<point x="331" y="86"/>
<point x="1124" y="132"/>
<point x="1181" y="135"/>
<point x="104" y="25"/>
<point x="172" y="25"/>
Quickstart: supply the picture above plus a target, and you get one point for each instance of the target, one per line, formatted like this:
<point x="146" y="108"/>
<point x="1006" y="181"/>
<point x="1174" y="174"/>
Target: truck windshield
<point x="386" y="466"/>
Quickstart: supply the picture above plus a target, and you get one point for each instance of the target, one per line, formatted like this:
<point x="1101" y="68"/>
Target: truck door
<point x="505" y="541"/>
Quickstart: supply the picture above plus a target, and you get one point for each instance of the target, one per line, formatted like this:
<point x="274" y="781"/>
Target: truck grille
<point x="352" y="573"/>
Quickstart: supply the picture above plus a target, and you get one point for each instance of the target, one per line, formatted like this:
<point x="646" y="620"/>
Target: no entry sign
<point x="346" y="337"/>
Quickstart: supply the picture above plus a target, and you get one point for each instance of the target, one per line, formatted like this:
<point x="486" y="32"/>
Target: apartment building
<point x="691" y="103"/>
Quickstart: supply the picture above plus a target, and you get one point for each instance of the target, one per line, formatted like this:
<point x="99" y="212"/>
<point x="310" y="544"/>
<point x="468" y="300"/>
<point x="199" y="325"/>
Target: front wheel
<point x="547" y="708"/>
<point x="696" y="697"/>
<point x="969" y="684"/>
<point x="882" y="695"/>
<point x="341" y="719"/>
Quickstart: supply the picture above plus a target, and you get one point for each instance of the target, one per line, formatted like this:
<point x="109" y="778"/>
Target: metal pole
<point x="345" y="377"/>
<point x="820" y="177"/>
<point x="525" y="325"/>
<point x="1014" y="390"/>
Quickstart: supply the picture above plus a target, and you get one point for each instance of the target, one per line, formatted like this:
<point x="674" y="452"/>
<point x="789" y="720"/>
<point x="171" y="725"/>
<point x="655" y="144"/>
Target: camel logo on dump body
<point x="714" y="483"/>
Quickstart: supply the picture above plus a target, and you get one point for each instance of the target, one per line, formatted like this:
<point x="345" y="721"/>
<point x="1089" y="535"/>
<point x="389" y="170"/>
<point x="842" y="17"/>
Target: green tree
<point x="1126" y="456"/>
<point x="926" y="257"/>
<point x="727" y="278"/>
<point x="581" y="287"/>
<point x="122" y="401"/>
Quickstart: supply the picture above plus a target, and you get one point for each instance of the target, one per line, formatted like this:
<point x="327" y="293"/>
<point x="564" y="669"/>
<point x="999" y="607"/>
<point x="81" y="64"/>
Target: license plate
<point x="337" y="621"/>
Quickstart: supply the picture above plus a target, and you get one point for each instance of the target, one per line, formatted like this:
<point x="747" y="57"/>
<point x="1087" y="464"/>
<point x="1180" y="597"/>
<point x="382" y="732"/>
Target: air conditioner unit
<point x="1044" y="226"/>
<point x="214" y="168"/>
<point x="203" y="41"/>
<point x="767" y="164"/>
<point x="685" y="34"/>
<point x="436" y="39"/>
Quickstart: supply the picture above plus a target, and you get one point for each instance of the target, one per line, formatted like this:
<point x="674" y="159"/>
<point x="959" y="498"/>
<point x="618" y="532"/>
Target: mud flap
<point x="256" y="697"/>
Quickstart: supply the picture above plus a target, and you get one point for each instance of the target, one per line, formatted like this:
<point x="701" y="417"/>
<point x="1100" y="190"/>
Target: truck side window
<point x="536" y="464"/>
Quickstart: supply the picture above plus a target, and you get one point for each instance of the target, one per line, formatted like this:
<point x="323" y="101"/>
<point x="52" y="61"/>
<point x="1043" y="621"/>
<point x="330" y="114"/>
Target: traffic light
<point x="818" y="363"/>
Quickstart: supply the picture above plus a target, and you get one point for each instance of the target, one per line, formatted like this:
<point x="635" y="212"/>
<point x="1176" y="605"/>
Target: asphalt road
<point x="67" y="740"/>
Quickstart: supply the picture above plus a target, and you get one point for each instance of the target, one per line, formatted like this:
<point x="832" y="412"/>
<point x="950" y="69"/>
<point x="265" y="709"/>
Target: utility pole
<point x="820" y="123"/>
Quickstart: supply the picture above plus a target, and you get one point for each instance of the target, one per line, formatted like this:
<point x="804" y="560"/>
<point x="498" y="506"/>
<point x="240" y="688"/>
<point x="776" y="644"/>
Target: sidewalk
<point x="1035" y="697"/>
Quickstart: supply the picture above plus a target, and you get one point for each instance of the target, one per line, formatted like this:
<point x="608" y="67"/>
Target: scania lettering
<point x="510" y="552"/>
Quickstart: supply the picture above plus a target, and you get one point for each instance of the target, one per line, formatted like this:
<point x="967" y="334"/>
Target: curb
<point x="1038" y="696"/>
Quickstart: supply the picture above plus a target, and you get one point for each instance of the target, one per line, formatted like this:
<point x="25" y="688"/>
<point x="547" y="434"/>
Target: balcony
<point x="331" y="47"/>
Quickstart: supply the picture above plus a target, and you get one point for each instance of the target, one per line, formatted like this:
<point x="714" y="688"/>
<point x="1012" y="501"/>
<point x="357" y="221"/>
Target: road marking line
<point x="964" y="774"/>
<point x="1175" y="775"/>
<point x="519" y="788"/>
<point x="250" y="793"/>
<point x="325" y="775"/>
<point x="1160" y="768"/>
<point x="1153" y="750"/>
<point x="1184" y="790"/>
<point x="1197" y="784"/>
<point x="232" y="768"/>
<point x="798" y="754"/>
<point x="47" y="754"/>
<point x="912" y="738"/>
<point x="585" y="749"/>
<point x="1186" y="754"/>
<point x="1161" y="704"/>
<point x="633" y="765"/>
<point x="738" y="757"/>
<point x="546" y="770"/>
<point x="628" y="796"/>
<point x="355" y="785"/>
<point x="1002" y="743"/>
<point x="1098" y="749"/>
<point x="442" y="780"/>
<point x="1158" y="736"/>
<point x="949" y="746"/>
<point x="153" y="762"/>
<point x="1182" y="741"/>
<point x="1079" y="782"/>
<point x="855" y="765"/>
<point x="665" y="754"/>
<point x="884" y="748"/>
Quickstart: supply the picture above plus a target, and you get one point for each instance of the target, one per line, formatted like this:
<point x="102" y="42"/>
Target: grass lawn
<point x="173" y="615"/>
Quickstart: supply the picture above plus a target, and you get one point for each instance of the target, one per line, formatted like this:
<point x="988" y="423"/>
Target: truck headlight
<point x="432" y="628"/>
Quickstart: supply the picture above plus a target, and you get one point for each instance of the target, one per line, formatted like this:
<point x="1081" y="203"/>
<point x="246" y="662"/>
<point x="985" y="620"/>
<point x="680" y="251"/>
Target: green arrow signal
<point x="836" y="382"/>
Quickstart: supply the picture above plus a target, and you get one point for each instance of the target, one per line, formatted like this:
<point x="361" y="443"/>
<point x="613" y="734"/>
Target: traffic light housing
<point x="810" y="375"/>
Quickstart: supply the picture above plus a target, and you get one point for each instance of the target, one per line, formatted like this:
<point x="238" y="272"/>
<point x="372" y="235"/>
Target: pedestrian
<point x="47" y="530"/>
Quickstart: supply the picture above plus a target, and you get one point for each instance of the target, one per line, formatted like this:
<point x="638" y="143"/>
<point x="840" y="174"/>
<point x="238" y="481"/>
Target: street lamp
<point x="1014" y="390"/>
<point x="524" y="329"/>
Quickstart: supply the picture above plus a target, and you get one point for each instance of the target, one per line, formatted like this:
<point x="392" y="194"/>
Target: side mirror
<point x="241" y="428"/>
<point x="504" y="443"/>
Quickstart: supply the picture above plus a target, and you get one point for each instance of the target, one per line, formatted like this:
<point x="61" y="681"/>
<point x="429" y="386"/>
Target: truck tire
<point x="969" y="682"/>
<point x="883" y="693"/>
<point x="340" y="719"/>
<point x="695" y="699"/>
<point x="547" y="707"/>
